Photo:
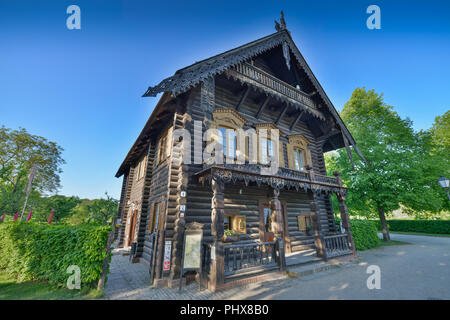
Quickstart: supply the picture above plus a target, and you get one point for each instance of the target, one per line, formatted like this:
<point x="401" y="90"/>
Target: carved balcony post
<point x="217" y="275"/>
<point x="319" y="239"/>
<point x="344" y="214"/>
<point x="310" y="171"/>
<point x="277" y="223"/>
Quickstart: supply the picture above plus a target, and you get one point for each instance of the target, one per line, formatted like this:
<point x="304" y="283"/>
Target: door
<point x="266" y="232"/>
<point x="132" y="227"/>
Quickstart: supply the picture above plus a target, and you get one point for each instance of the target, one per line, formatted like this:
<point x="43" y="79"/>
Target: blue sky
<point x="82" y="88"/>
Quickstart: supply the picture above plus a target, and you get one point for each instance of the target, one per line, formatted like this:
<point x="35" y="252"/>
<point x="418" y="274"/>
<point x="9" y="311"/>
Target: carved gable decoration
<point x="267" y="126"/>
<point x="229" y="117"/>
<point x="298" y="140"/>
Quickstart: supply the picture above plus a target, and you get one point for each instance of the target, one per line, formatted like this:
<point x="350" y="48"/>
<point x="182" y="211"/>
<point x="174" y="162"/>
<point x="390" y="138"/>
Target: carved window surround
<point x="278" y="145"/>
<point x="298" y="141"/>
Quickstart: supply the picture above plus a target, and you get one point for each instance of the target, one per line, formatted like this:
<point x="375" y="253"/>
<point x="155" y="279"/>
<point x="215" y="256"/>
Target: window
<point x="266" y="147"/>
<point x="267" y="219"/>
<point x="228" y="139"/>
<point x="164" y="147"/>
<point x="299" y="159"/>
<point x="140" y="169"/>
<point x="235" y="223"/>
<point x="153" y="226"/>
<point x="304" y="223"/>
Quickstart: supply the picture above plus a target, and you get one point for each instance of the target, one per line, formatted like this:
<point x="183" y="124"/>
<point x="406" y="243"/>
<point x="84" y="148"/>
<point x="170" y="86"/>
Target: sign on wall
<point x="167" y="253"/>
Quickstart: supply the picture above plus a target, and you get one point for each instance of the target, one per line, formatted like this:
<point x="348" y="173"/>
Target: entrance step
<point x="301" y="257"/>
<point x="251" y="272"/>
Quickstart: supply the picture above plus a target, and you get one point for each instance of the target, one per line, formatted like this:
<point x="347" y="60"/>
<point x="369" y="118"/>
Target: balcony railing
<point x="274" y="83"/>
<point x="284" y="173"/>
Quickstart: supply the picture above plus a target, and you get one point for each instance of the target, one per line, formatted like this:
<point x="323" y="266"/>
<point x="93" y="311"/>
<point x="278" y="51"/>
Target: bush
<point x="30" y="251"/>
<point x="425" y="226"/>
<point x="365" y="233"/>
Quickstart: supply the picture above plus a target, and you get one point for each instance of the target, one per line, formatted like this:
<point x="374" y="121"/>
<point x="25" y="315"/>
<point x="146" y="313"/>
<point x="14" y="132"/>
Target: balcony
<point x="283" y="178"/>
<point x="274" y="86"/>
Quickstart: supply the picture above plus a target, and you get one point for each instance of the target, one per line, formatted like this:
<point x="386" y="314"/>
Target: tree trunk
<point x="384" y="227"/>
<point x="109" y="241"/>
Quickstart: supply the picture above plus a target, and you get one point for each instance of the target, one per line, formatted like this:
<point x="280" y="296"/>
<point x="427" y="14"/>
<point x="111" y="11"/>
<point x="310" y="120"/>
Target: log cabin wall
<point x="226" y="99"/>
<point x="135" y="197"/>
<point x="157" y="192"/>
<point x="198" y="206"/>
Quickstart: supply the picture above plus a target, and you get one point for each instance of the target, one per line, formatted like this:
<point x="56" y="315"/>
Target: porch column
<point x="277" y="225"/>
<point x="217" y="276"/>
<point x="319" y="240"/>
<point x="344" y="214"/>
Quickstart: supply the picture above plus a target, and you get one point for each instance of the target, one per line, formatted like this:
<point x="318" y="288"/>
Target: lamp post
<point x="444" y="183"/>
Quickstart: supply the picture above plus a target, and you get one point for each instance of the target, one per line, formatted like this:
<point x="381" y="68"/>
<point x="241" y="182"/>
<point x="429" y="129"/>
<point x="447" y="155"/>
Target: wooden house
<point x="250" y="219"/>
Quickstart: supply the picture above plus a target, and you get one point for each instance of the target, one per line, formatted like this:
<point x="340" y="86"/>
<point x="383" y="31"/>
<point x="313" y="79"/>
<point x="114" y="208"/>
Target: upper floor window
<point x="229" y="141"/>
<point x="299" y="159"/>
<point x="140" y="168"/>
<point x="267" y="150"/>
<point x="164" y="147"/>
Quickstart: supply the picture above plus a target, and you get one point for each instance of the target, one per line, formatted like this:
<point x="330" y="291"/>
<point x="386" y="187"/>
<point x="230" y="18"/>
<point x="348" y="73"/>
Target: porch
<point x="228" y="262"/>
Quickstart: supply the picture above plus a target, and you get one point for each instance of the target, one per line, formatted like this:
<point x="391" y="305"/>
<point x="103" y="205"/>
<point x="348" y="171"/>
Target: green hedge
<point x="425" y="226"/>
<point x="365" y="233"/>
<point x="30" y="251"/>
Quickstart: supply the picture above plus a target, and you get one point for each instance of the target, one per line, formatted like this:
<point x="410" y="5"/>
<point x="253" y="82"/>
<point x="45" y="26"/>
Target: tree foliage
<point x="19" y="151"/>
<point x="401" y="167"/>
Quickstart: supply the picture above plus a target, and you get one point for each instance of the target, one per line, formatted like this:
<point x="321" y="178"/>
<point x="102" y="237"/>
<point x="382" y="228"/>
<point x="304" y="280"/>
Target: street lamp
<point x="444" y="183"/>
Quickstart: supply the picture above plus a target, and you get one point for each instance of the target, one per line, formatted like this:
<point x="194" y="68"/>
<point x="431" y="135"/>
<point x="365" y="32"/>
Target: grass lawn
<point x="10" y="289"/>
<point x="421" y="234"/>
<point x="391" y="243"/>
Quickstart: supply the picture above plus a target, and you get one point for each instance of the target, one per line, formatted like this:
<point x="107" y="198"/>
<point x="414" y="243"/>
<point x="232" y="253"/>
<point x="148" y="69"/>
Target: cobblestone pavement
<point x="131" y="281"/>
<point x="417" y="270"/>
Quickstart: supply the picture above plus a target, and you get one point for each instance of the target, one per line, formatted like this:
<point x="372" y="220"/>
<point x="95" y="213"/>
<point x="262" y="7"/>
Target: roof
<point x="190" y="76"/>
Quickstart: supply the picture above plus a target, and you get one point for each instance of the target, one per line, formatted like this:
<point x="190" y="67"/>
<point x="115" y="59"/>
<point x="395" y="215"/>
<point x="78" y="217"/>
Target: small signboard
<point x="192" y="251"/>
<point x="167" y="252"/>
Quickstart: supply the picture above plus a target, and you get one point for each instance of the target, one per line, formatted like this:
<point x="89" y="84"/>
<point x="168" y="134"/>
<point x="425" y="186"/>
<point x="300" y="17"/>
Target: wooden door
<point x="133" y="227"/>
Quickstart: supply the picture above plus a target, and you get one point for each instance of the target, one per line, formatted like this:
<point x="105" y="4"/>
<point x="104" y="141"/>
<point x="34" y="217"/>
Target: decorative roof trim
<point x="188" y="77"/>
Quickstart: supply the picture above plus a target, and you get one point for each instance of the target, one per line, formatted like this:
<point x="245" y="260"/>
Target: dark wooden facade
<point x="263" y="84"/>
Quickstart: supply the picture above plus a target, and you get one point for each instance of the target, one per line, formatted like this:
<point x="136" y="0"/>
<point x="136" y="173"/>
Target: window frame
<point x="234" y="222"/>
<point x="297" y="153"/>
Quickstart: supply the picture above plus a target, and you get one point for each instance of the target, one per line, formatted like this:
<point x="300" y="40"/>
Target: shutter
<point x="308" y="156"/>
<point x="301" y="223"/>
<point x="281" y="154"/>
<point x="290" y="154"/>
<point x="169" y="142"/>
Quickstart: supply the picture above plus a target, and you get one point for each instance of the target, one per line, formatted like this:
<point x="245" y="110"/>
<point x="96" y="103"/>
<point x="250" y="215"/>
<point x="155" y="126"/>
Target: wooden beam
<point x="261" y="108"/>
<point x="281" y="115"/>
<point x="297" y="119"/>
<point x="349" y="152"/>
<point x="243" y="97"/>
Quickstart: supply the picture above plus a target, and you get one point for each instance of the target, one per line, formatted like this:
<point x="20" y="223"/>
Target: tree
<point x="399" y="168"/>
<point x="63" y="206"/>
<point x="102" y="211"/>
<point x="97" y="211"/>
<point x="19" y="151"/>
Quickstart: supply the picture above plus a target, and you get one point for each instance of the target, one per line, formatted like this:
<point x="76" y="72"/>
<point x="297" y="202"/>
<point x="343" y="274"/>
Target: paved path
<point x="419" y="270"/>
